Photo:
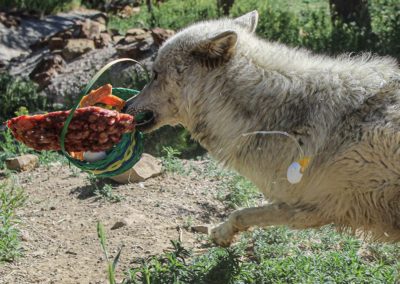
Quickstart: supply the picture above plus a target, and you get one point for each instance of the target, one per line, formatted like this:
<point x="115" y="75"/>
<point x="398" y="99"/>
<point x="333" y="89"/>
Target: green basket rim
<point x="114" y="154"/>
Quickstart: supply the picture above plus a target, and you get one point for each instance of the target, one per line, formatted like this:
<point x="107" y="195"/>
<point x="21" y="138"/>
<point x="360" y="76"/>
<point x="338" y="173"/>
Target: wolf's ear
<point x="248" y="21"/>
<point x="214" y="51"/>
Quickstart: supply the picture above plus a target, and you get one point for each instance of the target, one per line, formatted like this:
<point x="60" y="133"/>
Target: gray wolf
<point x="220" y="81"/>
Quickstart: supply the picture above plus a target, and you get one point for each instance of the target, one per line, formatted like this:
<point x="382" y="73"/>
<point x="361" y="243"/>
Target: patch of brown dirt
<point x="60" y="216"/>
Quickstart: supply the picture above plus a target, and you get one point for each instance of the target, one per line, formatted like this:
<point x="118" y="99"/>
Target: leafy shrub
<point x="312" y="28"/>
<point x="386" y="25"/>
<point x="16" y="93"/>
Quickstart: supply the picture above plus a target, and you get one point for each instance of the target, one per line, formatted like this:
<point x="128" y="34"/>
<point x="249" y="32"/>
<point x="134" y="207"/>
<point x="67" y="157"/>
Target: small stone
<point x="135" y="32"/>
<point x="90" y="29"/>
<point x="71" y="252"/>
<point x="46" y="69"/>
<point x="24" y="235"/>
<point x="147" y="167"/>
<point x="39" y="44"/>
<point x="66" y="34"/>
<point x="128" y="11"/>
<point x="122" y="223"/>
<point x="9" y="21"/>
<point x="134" y="38"/>
<point x="161" y="35"/>
<point x="114" y="32"/>
<point x="77" y="47"/>
<point x="105" y="40"/>
<point x="117" y="38"/>
<point x="44" y="79"/>
<point x="136" y="50"/>
<point x="204" y="229"/>
<point x="22" y="163"/>
<point x="100" y="18"/>
<point x="56" y="43"/>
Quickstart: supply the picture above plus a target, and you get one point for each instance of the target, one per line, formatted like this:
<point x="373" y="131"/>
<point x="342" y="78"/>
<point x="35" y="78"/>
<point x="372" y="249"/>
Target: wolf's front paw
<point x="223" y="234"/>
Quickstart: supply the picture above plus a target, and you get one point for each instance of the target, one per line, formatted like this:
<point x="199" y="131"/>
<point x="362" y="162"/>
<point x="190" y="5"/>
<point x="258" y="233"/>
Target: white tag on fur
<point x="294" y="173"/>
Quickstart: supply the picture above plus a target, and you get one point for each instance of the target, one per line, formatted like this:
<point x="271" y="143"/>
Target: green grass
<point x="276" y="255"/>
<point x="11" y="198"/>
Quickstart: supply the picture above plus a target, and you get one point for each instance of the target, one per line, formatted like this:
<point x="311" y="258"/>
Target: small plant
<point x="240" y="192"/>
<point x="188" y="222"/>
<point x="11" y="198"/>
<point x="48" y="157"/>
<point x="103" y="190"/>
<point x="21" y="111"/>
<point x="111" y="265"/>
<point x="170" y="161"/>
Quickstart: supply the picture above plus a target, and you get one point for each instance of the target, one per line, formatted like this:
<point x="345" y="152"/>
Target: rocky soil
<point x="58" y="223"/>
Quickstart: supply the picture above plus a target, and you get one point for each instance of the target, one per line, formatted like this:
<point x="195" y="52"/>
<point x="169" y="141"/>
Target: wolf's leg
<point x="268" y="215"/>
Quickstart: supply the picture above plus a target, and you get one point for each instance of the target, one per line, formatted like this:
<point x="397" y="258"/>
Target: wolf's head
<point x="186" y="66"/>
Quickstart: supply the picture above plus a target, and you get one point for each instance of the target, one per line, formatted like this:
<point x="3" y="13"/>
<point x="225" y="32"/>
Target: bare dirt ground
<point x="58" y="223"/>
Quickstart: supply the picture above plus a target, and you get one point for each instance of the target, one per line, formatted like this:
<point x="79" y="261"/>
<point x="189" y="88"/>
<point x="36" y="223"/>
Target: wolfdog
<point x="236" y="93"/>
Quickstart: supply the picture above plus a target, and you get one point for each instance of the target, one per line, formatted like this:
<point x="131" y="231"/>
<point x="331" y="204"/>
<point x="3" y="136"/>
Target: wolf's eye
<point x="155" y="75"/>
